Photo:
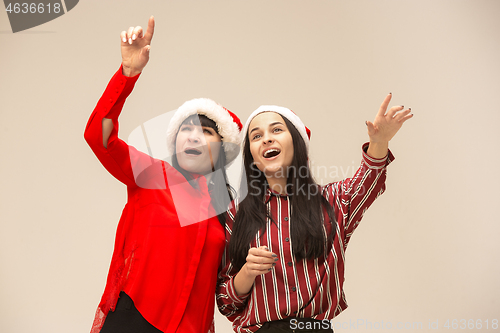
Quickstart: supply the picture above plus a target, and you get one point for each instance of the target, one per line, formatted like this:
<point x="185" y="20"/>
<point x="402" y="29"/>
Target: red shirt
<point x="302" y="288"/>
<point x="169" y="270"/>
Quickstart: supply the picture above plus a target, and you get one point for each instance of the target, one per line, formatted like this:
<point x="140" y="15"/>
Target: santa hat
<point x="228" y="124"/>
<point x="304" y="132"/>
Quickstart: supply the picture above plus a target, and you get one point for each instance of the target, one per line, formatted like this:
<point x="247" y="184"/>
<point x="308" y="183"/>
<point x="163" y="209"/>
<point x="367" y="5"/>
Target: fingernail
<point x="409" y="109"/>
<point x="402" y="106"/>
<point x="366" y="123"/>
<point x="267" y="249"/>
<point x="274" y="264"/>
<point x="133" y="36"/>
<point x="275" y="259"/>
<point x="124" y="39"/>
<point x="130" y="40"/>
<point x="274" y="255"/>
<point x="269" y="269"/>
<point x="390" y="93"/>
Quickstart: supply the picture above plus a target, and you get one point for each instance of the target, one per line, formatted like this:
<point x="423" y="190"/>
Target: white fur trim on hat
<point x="292" y="117"/>
<point x="226" y="127"/>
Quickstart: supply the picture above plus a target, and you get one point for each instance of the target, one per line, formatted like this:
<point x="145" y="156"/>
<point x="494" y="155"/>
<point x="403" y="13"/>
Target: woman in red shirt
<point x="170" y="237"/>
<point x="284" y="266"/>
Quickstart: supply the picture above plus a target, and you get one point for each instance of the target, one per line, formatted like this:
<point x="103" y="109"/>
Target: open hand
<point x="135" y="46"/>
<point x="386" y="125"/>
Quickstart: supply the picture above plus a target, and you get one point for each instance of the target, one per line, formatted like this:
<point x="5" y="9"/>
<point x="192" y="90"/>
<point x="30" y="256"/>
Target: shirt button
<point x="294" y="289"/>
<point x="295" y="312"/>
<point x="285" y="198"/>
<point x="111" y="100"/>
<point x="290" y="264"/>
<point x="287" y="239"/>
<point x="286" y="218"/>
<point x="117" y="91"/>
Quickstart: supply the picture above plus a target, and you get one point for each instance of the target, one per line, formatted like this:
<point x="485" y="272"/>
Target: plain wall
<point x="426" y="251"/>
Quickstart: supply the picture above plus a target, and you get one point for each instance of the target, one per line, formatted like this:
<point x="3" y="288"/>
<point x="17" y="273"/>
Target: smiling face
<point x="271" y="144"/>
<point x="197" y="147"/>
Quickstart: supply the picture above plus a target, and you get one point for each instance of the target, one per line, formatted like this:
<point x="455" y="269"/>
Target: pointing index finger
<point x="385" y="104"/>
<point x="150" y="30"/>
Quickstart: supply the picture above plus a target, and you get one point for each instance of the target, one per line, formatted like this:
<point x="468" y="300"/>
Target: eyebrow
<point x="272" y="124"/>
<point x="209" y="128"/>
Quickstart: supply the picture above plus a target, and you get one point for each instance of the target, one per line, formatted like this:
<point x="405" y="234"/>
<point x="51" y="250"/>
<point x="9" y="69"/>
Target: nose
<point x="196" y="135"/>
<point x="267" y="139"/>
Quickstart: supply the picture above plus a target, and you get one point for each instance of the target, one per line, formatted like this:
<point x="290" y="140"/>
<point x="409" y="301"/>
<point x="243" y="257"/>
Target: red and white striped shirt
<point x="301" y="288"/>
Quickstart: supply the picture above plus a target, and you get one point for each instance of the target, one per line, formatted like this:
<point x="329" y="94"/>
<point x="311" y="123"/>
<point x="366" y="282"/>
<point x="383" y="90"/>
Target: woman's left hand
<point x="386" y="125"/>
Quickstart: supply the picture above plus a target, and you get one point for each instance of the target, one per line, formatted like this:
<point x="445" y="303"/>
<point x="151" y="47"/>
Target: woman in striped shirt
<point x="283" y="268"/>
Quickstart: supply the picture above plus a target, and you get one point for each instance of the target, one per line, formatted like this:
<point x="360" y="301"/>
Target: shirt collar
<point x="270" y="192"/>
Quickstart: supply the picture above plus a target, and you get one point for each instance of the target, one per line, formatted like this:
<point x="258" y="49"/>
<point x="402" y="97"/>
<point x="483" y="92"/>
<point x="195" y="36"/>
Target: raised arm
<point x="135" y="46"/>
<point x="353" y="196"/>
<point x="101" y="132"/>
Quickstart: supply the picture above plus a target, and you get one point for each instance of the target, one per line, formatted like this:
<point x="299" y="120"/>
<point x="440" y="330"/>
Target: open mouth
<point x="271" y="153"/>
<point x="192" y="151"/>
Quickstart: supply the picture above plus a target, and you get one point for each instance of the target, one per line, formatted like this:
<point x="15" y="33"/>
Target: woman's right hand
<point x="259" y="261"/>
<point x="135" y="48"/>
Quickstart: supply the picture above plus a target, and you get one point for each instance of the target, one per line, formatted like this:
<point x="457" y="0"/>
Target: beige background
<point x="426" y="251"/>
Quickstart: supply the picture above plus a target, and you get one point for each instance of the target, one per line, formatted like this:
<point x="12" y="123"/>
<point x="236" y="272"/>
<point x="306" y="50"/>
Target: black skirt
<point x="126" y="319"/>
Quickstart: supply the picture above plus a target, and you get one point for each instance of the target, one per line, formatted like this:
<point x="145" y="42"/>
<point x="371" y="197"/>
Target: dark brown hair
<point x="306" y="221"/>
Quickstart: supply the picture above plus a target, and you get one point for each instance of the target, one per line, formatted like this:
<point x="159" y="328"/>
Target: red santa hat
<point x="228" y="124"/>
<point x="305" y="133"/>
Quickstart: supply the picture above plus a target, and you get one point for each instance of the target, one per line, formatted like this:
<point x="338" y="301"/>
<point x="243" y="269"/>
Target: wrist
<point x="129" y="71"/>
<point x="378" y="149"/>
<point x="243" y="281"/>
<point x="379" y="143"/>
<point x="245" y="273"/>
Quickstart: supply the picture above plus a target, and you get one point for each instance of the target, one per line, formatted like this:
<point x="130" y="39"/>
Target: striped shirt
<point x="301" y="288"/>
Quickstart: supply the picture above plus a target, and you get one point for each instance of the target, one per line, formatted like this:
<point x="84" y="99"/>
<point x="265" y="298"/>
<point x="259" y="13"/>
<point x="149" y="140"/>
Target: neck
<point x="208" y="177"/>
<point x="194" y="178"/>
<point x="277" y="184"/>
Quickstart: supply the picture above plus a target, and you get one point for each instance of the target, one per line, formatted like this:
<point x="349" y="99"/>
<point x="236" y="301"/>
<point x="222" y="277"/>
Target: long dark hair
<point x="220" y="202"/>
<point x="307" y="236"/>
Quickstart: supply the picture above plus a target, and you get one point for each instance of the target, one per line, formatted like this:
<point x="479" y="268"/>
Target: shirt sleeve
<point x="229" y="303"/>
<point x="351" y="197"/>
<point x="118" y="158"/>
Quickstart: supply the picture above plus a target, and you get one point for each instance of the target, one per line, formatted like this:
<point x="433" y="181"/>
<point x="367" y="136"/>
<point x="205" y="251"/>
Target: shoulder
<point x="328" y="190"/>
<point x="233" y="209"/>
<point x="231" y="214"/>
